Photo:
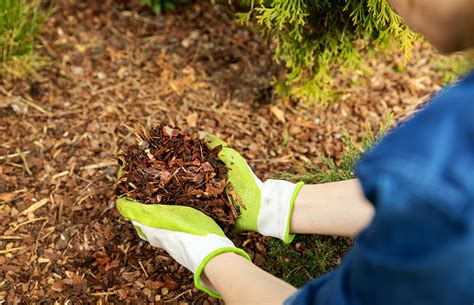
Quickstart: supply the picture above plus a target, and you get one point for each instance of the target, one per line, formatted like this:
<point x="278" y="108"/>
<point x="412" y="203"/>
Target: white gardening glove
<point x="188" y="235"/>
<point x="265" y="207"/>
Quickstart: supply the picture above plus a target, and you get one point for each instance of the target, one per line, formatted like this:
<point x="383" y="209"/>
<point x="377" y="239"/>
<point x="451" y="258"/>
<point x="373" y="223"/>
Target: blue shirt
<point x="419" y="247"/>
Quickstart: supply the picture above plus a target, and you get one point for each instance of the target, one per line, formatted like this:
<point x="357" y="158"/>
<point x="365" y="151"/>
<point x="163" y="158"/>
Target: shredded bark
<point x="175" y="167"/>
<point x="61" y="238"/>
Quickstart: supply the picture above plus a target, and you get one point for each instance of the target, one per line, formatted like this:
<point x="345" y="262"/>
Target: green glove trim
<point x="213" y="141"/>
<point x="169" y="217"/>
<point x="243" y="183"/>
<point x="140" y="232"/>
<point x="289" y="237"/>
<point x="203" y="264"/>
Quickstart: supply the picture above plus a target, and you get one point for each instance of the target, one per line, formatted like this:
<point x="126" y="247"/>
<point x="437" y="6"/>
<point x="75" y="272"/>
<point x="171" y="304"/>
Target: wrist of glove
<point x="277" y="198"/>
<point x="188" y="235"/>
<point x="265" y="207"/>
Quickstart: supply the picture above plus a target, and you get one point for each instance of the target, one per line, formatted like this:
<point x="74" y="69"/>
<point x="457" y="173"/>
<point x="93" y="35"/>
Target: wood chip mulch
<point x="113" y="65"/>
<point x="175" y="167"/>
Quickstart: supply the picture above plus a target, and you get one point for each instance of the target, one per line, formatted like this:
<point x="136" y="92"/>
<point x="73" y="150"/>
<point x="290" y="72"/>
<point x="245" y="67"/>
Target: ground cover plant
<point x="310" y="256"/>
<point x="175" y="167"/>
<point x="20" y="25"/>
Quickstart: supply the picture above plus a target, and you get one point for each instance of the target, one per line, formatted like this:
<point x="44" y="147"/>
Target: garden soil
<point x="113" y="65"/>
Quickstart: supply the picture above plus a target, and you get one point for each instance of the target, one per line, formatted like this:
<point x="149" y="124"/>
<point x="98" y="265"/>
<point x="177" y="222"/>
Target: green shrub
<point x="310" y="256"/>
<point x="315" y="38"/>
<point x="20" y="25"/>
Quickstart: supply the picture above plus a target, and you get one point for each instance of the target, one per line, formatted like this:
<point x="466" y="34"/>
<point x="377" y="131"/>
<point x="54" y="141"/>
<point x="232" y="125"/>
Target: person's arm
<point x="278" y="208"/>
<point x="241" y="282"/>
<point x="337" y="208"/>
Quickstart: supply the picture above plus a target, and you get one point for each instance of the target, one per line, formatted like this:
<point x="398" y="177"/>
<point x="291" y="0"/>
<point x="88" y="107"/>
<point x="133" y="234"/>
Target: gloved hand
<point x="188" y="235"/>
<point x="265" y="207"/>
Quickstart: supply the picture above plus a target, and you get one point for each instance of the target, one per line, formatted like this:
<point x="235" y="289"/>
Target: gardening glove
<point x="188" y="235"/>
<point x="265" y="207"/>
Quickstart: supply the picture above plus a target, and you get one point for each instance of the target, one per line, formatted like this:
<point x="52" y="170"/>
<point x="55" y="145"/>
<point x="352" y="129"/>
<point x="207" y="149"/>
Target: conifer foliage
<point x="314" y="37"/>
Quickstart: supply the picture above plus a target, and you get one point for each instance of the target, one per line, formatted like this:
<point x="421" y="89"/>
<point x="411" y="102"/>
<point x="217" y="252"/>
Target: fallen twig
<point x="17" y="154"/>
<point x="100" y="164"/>
<point x="102" y="293"/>
<point x="178" y="296"/>
<point x="35" y="206"/>
<point x="12" y="250"/>
<point x="17" y="226"/>
<point x="10" y="237"/>
<point x="143" y="268"/>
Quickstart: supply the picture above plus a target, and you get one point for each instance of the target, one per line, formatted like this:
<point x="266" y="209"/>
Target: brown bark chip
<point x="175" y="167"/>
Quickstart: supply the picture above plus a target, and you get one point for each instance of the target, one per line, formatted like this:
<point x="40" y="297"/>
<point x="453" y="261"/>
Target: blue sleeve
<point x="419" y="248"/>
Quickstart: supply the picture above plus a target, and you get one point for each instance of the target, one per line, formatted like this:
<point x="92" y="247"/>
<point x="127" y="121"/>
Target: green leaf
<point x="157" y="8"/>
<point x="169" y="5"/>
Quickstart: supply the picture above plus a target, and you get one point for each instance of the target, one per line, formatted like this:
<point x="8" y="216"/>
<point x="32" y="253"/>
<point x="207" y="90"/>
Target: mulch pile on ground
<point x="113" y="64"/>
<point x="175" y="167"/>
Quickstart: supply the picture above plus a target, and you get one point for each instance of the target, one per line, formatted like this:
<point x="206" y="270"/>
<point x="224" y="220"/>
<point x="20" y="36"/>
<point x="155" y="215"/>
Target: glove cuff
<point x="197" y="275"/>
<point x="276" y="206"/>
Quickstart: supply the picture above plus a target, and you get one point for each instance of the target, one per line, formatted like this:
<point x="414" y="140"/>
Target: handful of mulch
<point x="175" y="167"/>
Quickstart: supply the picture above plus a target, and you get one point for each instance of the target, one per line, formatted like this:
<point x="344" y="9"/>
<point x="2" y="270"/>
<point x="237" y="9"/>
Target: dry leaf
<point x="278" y="113"/>
<point x="192" y="119"/>
<point x="214" y="189"/>
<point x="7" y="197"/>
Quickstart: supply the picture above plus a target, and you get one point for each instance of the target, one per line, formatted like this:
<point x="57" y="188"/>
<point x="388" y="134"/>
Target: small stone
<point x="164" y="290"/>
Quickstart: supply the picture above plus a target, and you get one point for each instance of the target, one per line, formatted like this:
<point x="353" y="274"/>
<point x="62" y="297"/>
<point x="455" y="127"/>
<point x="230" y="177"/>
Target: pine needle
<point x="25" y="162"/>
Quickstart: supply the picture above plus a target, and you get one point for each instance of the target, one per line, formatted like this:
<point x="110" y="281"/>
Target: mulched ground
<point x="116" y="65"/>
